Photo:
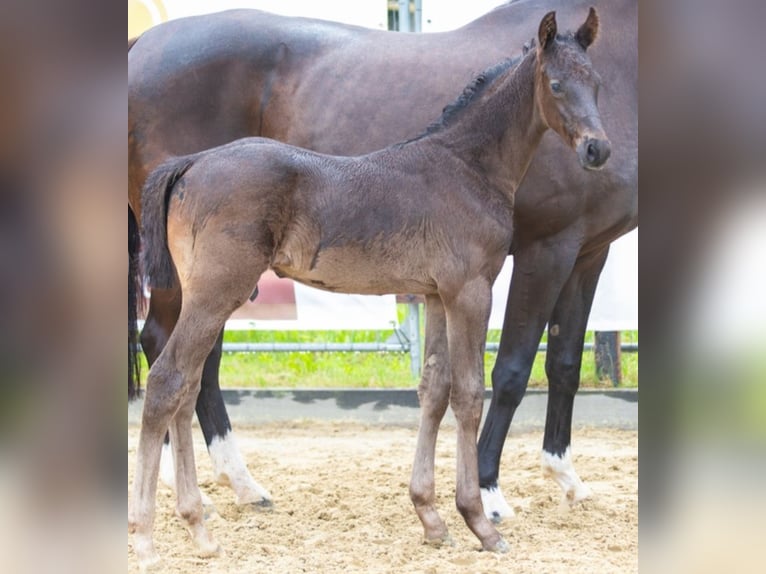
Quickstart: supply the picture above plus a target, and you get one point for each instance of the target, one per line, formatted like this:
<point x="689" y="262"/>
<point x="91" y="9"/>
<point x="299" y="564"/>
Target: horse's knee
<point x="190" y="511"/>
<point x="509" y="382"/>
<point x="466" y="402"/>
<point x="420" y="494"/>
<point x="164" y="391"/>
<point x="563" y="372"/>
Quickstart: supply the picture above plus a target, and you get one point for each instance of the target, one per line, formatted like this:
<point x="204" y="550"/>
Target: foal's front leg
<point x="434" y="397"/>
<point x="467" y="317"/>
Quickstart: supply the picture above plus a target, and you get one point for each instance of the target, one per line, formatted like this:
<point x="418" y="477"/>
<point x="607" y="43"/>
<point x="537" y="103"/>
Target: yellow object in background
<point x="143" y="14"/>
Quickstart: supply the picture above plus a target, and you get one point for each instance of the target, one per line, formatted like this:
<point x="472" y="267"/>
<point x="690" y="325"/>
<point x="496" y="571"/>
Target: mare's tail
<point x="135" y="302"/>
<point x="155" y="256"/>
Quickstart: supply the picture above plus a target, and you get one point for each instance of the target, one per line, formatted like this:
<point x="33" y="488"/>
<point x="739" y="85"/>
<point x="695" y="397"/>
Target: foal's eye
<point x="556" y="87"/>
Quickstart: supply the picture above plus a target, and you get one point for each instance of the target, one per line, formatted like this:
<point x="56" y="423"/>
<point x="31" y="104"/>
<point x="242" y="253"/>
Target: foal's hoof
<point x="151" y="564"/>
<point x="500" y="547"/>
<point x="209" y="510"/>
<point x="209" y="550"/>
<point x="440" y="541"/>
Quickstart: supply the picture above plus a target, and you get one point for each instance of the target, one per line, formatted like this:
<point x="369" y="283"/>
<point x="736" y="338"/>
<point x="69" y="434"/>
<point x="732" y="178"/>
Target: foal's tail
<point x="134" y="304"/>
<point x="157" y="263"/>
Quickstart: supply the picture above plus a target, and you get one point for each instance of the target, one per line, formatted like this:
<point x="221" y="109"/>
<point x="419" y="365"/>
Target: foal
<point x="432" y="216"/>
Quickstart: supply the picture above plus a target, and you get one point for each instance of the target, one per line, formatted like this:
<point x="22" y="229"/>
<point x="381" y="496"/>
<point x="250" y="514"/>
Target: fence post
<point x="606" y="349"/>
<point x="412" y="321"/>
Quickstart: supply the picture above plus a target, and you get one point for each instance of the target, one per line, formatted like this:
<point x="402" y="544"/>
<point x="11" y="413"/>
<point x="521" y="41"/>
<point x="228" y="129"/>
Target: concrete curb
<point x="616" y="408"/>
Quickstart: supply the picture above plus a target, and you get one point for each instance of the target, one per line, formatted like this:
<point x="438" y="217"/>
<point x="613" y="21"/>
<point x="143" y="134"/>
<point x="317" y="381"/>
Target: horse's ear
<point x="547" y="32"/>
<point x="589" y="30"/>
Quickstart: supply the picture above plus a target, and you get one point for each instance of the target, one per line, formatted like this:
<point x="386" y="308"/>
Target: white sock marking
<point x="495" y="506"/>
<point x="229" y="468"/>
<point x="560" y="468"/>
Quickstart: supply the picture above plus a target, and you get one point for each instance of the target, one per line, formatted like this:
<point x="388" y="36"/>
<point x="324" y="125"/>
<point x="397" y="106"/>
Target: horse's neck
<point x="499" y="132"/>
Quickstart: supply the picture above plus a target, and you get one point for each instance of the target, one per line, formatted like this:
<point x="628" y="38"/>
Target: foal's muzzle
<point x="593" y="152"/>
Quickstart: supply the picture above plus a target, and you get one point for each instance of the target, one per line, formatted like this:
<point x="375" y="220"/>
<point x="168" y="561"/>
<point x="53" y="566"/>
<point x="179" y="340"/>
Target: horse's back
<point x="200" y="82"/>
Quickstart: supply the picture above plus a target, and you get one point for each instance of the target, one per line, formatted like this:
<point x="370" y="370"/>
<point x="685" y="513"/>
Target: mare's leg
<point x="467" y="315"/>
<point x="566" y="335"/>
<point x="434" y="398"/>
<point x="540" y="270"/>
<point x="229" y="466"/>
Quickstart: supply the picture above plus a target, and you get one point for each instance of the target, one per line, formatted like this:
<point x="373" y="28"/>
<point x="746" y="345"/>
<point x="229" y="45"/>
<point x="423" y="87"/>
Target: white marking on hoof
<point x="560" y="468"/>
<point x="495" y="506"/>
<point x="230" y="469"/>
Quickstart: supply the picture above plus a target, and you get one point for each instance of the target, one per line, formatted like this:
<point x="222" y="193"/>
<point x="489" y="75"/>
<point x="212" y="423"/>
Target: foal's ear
<point x="547" y="32"/>
<point x="589" y="30"/>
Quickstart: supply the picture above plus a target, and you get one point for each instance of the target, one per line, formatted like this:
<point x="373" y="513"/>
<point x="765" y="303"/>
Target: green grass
<point x="366" y="369"/>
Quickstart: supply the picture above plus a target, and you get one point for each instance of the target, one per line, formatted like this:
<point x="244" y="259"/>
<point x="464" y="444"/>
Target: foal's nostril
<point x="592" y="152"/>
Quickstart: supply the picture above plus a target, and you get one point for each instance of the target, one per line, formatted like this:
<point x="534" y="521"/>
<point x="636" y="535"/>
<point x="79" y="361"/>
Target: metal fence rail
<point x="406" y="339"/>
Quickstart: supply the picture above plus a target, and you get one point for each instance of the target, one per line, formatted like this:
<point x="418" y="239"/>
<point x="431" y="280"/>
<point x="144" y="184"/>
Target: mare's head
<point x="567" y="89"/>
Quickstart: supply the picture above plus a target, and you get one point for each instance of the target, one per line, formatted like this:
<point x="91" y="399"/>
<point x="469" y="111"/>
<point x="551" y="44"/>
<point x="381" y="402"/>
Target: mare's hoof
<point x="576" y="499"/>
<point x="440" y="541"/>
<point x="495" y="507"/>
<point x="258" y="505"/>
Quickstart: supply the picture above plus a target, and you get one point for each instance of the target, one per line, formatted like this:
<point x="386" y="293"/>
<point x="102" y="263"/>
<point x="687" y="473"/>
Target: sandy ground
<point x="341" y="505"/>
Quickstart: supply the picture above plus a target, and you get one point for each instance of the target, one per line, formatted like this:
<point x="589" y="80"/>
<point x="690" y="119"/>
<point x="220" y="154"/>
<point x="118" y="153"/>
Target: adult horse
<point x="199" y="82"/>
<point x="431" y="216"/>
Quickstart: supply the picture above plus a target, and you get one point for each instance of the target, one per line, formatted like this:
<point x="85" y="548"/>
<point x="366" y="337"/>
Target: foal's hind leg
<point x="434" y="398"/>
<point x="467" y="317"/>
<point x="563" y="360"/>
<point x="172" y="388"/>
<point x="228" y="464"/>
<point x="189" y="502"/>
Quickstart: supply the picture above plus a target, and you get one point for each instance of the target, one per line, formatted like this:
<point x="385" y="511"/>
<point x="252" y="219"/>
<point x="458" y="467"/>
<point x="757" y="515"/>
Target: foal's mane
<point x="471" y="92"/>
